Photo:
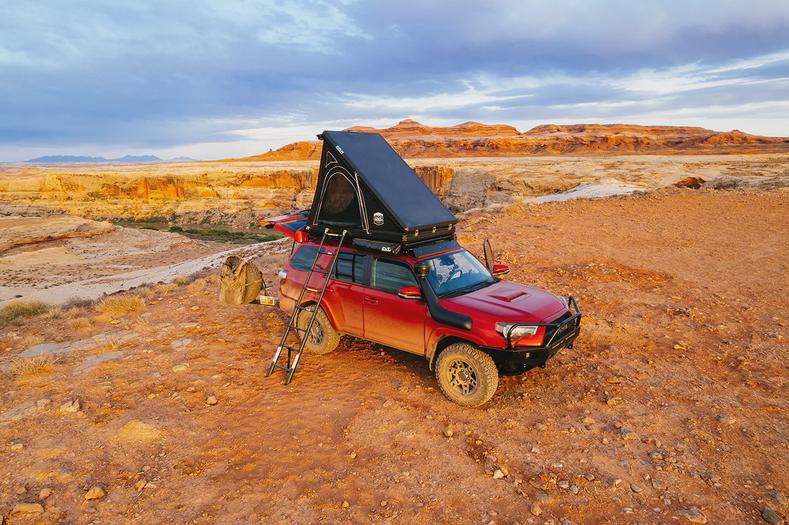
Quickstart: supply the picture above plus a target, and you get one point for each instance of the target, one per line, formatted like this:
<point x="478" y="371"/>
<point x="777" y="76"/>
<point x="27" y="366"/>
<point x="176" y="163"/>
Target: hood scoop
<point x="510" y="297"/>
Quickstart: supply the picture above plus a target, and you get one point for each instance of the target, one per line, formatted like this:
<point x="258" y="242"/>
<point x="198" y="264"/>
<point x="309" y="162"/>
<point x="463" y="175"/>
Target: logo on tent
<point x="378" y="218"/>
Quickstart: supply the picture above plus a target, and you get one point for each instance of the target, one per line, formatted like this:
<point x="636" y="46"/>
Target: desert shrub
<point x="20" y="310"/>
<point x="77" y="302"/>
<point x="176" y="229"/>
<point x="164" y="289"/>
<point x="79" y="324"/>
<point x="121" y="305"/>
<point x="33" y="366"/>
<point x="196" y="287"/>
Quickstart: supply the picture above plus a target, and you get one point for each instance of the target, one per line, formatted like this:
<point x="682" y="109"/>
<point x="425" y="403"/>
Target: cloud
<point x="92" y="76"/>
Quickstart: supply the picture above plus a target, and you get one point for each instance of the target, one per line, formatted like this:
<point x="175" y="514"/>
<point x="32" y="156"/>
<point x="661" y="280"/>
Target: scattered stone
<point x="17" y="446"/>
<point x="693" y="515"/>
<point x="535" y="509"/>
<point x="538" y="483"/>
<point x="616" y="482"/>
<point x="353" y="455"/>
<point x="448" y="433"/>
<point x="727" y="420"/>
<point x="692" y="183"/>
<point x="95" y="492"/>
<point x="27" y="508"/>
<point x="574" y="489"/>
<point x="44" y="493"/>
<point x="590" y="477"/>
<point x="778" y="497"/>
<point x="659" y="484"/>
<point x="70" y="407"/>
<point x="588" y="421"/>
<point x="137" y="431"/>
<point x="563" y="484"/>
<point x="614" y="380"/>
<point x="636" y="488"/>
<point x="345" y="504"/>
<point x="20" y="490"/>
<point x="43" y="403"/>
<point x="211" y="400"/>
<point x="180" y="368"/>
<point x="613" y="401"/>
<point x="498" y="474"/>
<point x="140" y="485"/>
<point x="179" y="345"/>
<point x="772" y="517"/>
<point x="540" y="427"/>
<point x="630" y="436"/>
<point x="384" y="503"/>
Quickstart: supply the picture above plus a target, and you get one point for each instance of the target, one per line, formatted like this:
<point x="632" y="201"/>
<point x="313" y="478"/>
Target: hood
<point x="510" y="302"/>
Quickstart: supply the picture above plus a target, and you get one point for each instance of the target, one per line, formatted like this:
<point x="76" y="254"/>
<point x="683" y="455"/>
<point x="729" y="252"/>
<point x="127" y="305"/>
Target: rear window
<point x="390" y="277"/>
<point x="303" y="258"/>
<point x="351" y="267"/>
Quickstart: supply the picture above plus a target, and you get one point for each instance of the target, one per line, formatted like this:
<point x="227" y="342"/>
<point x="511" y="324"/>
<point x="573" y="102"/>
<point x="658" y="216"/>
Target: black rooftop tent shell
<point x="366" y="188"/>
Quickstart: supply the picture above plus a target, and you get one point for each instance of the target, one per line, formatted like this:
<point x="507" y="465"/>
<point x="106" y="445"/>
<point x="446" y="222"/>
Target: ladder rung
<point x="281" y="367"/>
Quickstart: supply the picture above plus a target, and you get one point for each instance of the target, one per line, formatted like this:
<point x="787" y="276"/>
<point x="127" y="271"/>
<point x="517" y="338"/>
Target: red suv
<point x="438" y="301"/>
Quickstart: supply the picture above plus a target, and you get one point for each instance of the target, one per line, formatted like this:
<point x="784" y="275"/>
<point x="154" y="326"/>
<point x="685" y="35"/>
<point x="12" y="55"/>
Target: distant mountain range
<point x="84" y="159"/>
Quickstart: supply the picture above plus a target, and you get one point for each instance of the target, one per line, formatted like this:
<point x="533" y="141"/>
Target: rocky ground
<point x="671" y="408"/>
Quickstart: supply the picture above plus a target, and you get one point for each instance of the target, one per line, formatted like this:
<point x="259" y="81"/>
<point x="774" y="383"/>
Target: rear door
<point x="388" y="318"/>
<point x="346" y="292"/>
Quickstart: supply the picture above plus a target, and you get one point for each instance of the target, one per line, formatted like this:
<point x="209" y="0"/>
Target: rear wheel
<point x="322" y="338"/>
<point x="466" y="375"/>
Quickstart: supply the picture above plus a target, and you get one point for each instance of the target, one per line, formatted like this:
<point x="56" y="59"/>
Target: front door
<point x="388" y="318"/>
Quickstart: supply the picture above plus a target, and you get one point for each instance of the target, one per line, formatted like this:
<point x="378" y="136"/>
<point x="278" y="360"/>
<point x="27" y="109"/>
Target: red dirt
<point x="679" y="376"/>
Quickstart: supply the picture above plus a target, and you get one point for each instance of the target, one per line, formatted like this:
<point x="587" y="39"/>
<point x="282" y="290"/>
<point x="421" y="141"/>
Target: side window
<point x="303" y="258"/>
<point x="390" y="277"/>
<point x="351" y="267"/>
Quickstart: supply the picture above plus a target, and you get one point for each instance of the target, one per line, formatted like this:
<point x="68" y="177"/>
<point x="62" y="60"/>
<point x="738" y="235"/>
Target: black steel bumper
<point x="558" y="334"/>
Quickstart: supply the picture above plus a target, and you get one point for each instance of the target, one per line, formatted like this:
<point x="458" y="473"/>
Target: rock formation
<point x="472" y="139"/>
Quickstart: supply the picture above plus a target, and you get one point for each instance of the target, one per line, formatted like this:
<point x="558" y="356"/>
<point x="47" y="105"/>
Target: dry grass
<point x="121" y="305"/>
<point x="79" y="324"/>
<point x="25" y="368"/>
<point x="20" y="310"/>
<point x="196" y="287"/>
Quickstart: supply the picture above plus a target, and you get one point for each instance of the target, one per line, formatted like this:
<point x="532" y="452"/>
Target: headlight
<point x="521" y="335"/>
<point x="519" y="331"/>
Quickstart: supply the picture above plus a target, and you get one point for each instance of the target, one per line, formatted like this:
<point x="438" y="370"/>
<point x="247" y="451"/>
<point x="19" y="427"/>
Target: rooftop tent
<point x="365" y="187"/>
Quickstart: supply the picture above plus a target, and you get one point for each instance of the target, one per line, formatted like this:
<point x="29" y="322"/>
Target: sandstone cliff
<point x="472" y="139"/>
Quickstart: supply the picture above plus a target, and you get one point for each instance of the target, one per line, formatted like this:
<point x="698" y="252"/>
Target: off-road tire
<point x="478" y="366"/>
<point x="329" y="337"/>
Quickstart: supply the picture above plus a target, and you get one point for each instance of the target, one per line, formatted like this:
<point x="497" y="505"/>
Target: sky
<point x="217" y="79"/>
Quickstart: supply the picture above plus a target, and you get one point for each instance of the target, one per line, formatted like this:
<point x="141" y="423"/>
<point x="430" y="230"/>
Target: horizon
<point x="213" y="80"/>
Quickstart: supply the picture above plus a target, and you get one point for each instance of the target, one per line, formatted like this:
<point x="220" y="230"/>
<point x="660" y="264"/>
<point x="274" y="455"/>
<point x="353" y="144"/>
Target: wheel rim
<point x="462" y="377"/>
<point x="316" y="334"/>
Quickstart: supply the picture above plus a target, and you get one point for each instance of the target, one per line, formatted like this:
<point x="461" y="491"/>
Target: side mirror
<point x="500" y="269"/>
<point x="410" y="292"/>
<point x="422" y="269"/>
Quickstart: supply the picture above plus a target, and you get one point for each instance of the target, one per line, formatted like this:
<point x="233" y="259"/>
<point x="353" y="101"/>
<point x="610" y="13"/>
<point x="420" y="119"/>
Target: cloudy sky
<point x="213" y="79"/>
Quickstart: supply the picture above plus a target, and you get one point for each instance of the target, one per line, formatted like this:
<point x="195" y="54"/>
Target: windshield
<point x="457" y="272"/>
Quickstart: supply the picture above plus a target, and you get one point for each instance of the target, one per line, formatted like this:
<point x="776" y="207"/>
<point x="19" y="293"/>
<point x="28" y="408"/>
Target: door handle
<point x="370" y="300"/>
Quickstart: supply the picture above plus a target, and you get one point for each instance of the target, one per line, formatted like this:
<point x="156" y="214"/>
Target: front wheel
<point x="323" y="338"/>
<point x="466" y="375"/>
